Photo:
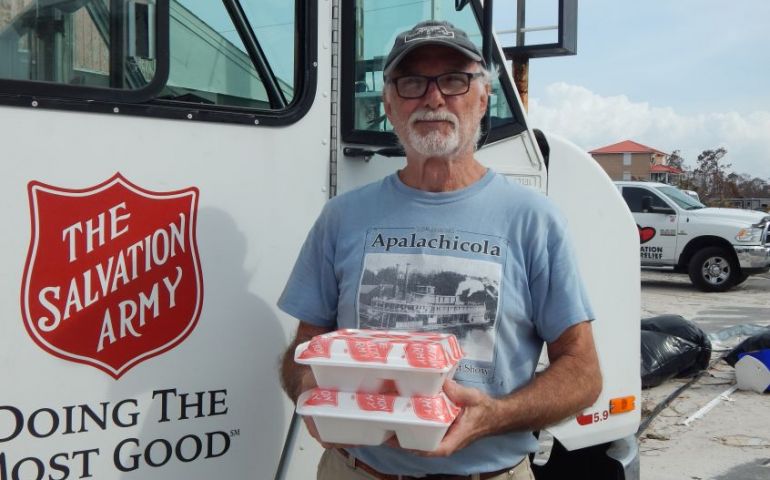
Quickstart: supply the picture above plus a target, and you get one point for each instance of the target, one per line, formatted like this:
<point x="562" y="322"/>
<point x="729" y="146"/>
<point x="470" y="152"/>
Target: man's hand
<point x="572" y="382"/>
<point x="475" y="420"/>
<point x="297" y="379"/>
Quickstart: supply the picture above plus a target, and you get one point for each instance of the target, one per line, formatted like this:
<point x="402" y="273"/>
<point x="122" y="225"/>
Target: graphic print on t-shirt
<point x="423" y="279"/>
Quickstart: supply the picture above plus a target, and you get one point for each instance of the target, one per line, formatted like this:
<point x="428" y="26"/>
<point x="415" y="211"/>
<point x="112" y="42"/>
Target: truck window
<point x="211" y="61"/>
<point x="239" y="60"/>
<point x="373" y="28"/>
<point x="76" y="43"/>
<point x="633" y="197"/>
<point x="273" y="24"/>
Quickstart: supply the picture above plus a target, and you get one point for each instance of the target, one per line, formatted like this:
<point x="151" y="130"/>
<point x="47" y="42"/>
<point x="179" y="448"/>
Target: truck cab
<point x="718" y="247"/>
<point x="164" y="161"/>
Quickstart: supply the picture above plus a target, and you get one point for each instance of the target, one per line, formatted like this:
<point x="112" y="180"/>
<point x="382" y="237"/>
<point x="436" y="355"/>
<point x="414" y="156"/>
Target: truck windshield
<point x="376" y="23"/>
<point x="682" y="199"/>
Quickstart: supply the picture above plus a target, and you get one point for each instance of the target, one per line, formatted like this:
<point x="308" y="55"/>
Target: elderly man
<point x="491" y="258"/>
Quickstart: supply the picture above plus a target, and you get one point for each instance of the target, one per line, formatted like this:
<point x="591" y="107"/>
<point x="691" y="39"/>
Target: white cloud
<point x="592" y="121"/>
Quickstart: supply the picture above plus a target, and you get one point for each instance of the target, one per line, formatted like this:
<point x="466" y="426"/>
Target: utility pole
<point x="521" y="64"/>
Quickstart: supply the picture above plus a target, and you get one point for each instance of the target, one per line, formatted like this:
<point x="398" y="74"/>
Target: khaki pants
<point x="334" y="466"/>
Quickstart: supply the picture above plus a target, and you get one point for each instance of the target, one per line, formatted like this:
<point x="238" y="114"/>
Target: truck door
<point x="154" y="197"/>
<point x="656" y="220"/>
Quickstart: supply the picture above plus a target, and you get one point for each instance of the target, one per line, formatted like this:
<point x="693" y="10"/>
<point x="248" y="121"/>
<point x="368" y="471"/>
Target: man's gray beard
<point x="435" y="143"/>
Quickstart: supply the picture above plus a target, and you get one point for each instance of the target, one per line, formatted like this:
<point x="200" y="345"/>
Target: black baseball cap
<point x="430" y="32"/>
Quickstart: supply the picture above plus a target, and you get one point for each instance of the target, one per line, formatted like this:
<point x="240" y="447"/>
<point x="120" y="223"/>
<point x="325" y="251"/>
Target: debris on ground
<point x="710" y="405"/>
<point x="751" y="359"/>
<point x="693" y="452"/>
<point x="754" y="343"/>
<point x="672" y="346"/>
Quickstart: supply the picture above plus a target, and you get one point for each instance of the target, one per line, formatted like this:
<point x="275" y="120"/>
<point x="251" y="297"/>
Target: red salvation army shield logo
<point x="112" y="275"/>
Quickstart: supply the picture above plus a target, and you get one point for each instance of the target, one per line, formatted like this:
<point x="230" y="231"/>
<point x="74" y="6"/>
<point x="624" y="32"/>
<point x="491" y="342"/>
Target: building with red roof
<point x="629" y="160"/>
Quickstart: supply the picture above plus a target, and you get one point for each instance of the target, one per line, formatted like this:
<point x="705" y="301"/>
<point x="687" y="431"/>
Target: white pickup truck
<point x="718" y="247"/>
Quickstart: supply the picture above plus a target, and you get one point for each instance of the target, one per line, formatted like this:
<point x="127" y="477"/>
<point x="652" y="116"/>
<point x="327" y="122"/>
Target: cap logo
<point x="433" y="31"/>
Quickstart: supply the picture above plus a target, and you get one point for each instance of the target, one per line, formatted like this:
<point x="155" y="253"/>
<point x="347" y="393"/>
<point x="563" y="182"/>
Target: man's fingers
<point x="453" y="392"/>
<point x="452" y="441"/>
<point x="460" y="395"/>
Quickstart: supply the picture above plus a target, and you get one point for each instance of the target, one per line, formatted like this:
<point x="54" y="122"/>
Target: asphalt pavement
<point x="732" y="440"/>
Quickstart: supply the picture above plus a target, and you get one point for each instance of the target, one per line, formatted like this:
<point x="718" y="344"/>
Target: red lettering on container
<point x="319" y="347"/>
<point x="425" y="355"/>
<point x="323" y="396"/>
<point x="362" y="350"/>
<point x="375" y="402"/>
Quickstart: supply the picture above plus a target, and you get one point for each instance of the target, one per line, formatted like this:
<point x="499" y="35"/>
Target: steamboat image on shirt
<point x="422" y="279"/>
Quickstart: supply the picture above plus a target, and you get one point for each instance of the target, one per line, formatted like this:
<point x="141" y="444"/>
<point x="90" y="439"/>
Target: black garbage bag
<point x="754" y="343"/>
<point x="672" y="347"/>
<point x="678" y="326"/>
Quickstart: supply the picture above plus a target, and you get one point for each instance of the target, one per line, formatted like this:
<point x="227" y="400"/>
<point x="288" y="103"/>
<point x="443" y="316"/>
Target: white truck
<point x="718" y="247"/>
<point x="163" y="162"/>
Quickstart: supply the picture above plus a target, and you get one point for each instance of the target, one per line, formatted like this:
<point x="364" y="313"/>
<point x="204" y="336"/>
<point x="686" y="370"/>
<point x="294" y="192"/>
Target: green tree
<point x="712" y="171"/>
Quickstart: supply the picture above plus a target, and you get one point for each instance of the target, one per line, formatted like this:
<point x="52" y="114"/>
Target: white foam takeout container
<point x="381" y="361"/>
<point x="360" y="418"/>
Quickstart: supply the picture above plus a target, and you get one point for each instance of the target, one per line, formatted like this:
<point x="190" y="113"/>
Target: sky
<point x="685" y="75"/>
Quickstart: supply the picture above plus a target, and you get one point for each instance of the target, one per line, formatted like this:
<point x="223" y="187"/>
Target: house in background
<point x="665" y="174"/>
<point x="629" y="160"/>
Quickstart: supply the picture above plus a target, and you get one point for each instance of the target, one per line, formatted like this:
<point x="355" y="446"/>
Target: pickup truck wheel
<point x="713" y="269"/>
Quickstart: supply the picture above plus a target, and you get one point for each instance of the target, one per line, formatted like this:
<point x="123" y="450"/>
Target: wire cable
<point x="667" y="401"/>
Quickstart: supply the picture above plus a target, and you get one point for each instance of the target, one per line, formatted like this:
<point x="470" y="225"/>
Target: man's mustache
<point x="433" y="115"/>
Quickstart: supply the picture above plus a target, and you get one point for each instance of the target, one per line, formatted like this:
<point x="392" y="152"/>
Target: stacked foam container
<point x="373" y="384"/>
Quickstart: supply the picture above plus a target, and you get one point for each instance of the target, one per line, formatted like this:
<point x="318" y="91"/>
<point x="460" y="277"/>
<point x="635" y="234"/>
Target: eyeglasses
<point x="449" y="84"/>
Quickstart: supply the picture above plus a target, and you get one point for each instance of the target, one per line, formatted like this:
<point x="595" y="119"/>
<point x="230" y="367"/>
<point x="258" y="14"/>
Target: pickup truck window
<point x="682" y="199"/>
<point x="634" y="195"/>
<point x="373" y="25"/>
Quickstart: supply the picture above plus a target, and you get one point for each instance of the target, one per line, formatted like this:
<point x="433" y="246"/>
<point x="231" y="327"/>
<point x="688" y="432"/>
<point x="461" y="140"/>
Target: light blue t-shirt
<point x="490" y="263"/>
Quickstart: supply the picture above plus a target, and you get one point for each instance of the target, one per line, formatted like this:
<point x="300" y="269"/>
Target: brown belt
<point x="356" y="463"/>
